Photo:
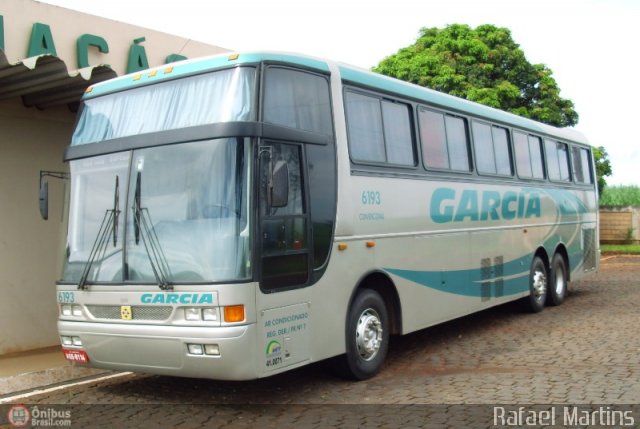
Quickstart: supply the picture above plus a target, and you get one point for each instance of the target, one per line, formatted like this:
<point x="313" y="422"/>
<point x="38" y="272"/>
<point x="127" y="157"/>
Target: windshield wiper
<point x="143" y="227"/>
<point x="109" y="223"/>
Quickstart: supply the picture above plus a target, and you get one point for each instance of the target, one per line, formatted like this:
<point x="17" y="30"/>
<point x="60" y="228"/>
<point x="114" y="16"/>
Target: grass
<point x="620" y="196"/>
<point x="626" y="249"/>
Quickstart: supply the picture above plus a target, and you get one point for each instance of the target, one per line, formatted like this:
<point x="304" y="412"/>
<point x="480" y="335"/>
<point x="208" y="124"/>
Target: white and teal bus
<point x="237" y="216"/>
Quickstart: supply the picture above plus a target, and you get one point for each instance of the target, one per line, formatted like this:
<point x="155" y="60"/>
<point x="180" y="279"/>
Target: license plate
<point x="79" y="356"/>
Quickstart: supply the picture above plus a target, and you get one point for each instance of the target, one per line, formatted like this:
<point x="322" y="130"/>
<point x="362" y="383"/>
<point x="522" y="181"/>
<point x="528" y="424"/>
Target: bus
<point x="237" y="216"/>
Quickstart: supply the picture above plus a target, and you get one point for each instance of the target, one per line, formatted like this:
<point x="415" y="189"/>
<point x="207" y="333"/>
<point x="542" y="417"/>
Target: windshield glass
<point x="94" y="194"/>
<point x="220" y="96"/>
<point x="185" y="215"/>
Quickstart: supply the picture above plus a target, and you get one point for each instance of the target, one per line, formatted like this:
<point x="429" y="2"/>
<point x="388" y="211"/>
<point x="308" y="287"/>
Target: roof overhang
<point x="45" y="81"/>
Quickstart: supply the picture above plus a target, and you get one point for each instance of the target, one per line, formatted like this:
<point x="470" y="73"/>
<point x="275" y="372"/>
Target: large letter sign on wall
<point x="83" y="44"/>
<point x="41" y="41"/>
<point x="137" y="57"/>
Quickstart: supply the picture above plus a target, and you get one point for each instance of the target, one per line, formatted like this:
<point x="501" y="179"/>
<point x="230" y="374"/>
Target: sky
<point x="590" y="45"/>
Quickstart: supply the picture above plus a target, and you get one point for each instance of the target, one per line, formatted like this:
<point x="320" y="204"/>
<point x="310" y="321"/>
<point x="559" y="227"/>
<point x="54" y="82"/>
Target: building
<point x="48" y="56"/>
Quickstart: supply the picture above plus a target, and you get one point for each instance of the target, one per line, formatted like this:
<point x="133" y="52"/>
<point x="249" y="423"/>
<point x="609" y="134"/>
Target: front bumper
<point x="163" y="350"/>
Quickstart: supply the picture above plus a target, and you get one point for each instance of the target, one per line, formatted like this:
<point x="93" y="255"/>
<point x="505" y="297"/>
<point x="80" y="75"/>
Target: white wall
<point x="30" y="141"/>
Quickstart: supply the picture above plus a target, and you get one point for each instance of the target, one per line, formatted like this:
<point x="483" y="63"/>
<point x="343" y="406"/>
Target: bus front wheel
<point x="367" y="337"/>
<point x="538" y="285"/>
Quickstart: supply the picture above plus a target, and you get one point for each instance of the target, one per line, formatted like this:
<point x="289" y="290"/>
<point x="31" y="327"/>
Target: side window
<point x="501" y="145"/>
<point x="398" y="137"/>
<point x="445" y="141"/>
<point x="557" y="160"/>
<point x="528" y="151"/>
<point x="581" y="169"/>
<point x="379" y="130"/>
<point x="297" y="99"/>
<point x="364" y="119"/>
<point x="492" y="149"/>
<point x="535" y="149"/>
<point x="284" y="238"/>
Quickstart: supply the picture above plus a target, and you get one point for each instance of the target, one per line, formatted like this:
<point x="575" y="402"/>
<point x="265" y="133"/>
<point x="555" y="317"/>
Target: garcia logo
<point x="176" y="298"/>
<point x="448" y="206"/>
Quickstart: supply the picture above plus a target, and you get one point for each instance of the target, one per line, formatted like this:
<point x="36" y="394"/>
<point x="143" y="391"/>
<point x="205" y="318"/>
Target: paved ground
<point x="583" y="352"/>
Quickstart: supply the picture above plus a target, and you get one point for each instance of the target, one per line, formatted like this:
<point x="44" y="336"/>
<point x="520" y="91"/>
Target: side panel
<point x="453" y="248"/>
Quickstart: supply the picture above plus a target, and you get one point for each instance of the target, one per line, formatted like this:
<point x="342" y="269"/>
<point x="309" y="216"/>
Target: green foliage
<point x="483" y="65"/>
<point x="620" y="196"/>
<point x="603" y="167"/>
<point x="626" y="249"/>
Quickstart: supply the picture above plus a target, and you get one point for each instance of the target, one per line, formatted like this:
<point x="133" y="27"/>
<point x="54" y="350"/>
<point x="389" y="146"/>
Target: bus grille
<point x="139" y="312"/>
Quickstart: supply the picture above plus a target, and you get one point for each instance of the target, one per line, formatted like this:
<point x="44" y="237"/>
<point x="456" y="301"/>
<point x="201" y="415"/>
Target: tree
<point x="603" y="166"/>
<point x="483" y="65"/>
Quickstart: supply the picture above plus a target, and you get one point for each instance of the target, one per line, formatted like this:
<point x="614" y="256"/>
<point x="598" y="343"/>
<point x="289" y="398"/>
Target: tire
<point x="557" y="288"/>
<point x="367" y="337"/>
<point x="538" y="285"/>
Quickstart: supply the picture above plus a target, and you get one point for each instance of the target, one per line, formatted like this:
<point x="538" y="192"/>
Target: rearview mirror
<point x="280" y="185"/>
<point x="44" y="200"/>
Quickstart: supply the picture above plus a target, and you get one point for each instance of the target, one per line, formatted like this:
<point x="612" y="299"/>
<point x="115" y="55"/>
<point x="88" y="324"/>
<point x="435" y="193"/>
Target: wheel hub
<point x="539" y="284"/>
<point x="368" y="334"/>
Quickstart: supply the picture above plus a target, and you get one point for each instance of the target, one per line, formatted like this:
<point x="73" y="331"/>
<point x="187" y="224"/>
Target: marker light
<point x="195" y="349"/>
<point x="234" y="313"/>
<point x="192" y="314"/>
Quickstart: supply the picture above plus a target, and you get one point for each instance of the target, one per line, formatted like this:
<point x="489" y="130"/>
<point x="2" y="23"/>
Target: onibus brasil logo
<point x="19" y="416"/>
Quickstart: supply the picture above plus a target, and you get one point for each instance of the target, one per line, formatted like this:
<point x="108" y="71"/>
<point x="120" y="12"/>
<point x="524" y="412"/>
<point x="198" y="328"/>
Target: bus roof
<point x="348" y="73"/>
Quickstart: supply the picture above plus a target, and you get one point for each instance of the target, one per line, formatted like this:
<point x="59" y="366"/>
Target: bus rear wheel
<point x="538" y="285"/>
<point x="367" y="337"/>
<point x="558" y="281"/>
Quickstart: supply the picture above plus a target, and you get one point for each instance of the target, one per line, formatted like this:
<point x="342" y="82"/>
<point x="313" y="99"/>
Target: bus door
<point x="285" y="257"/>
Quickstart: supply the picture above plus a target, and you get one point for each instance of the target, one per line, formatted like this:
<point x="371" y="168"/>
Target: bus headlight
<point x="192" y="314"/>
<point x="71" y="310"/>
<point x="209" y="314"/>
<point x="66" y="341"/>
<point x="66" y="310"/>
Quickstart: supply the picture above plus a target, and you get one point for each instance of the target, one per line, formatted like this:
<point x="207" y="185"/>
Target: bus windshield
<point x="220" y="96"/>
<point x="176" y="213"/>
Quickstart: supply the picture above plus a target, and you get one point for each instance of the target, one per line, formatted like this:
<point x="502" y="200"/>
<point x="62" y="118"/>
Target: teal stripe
<point x="514" y="279"/>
